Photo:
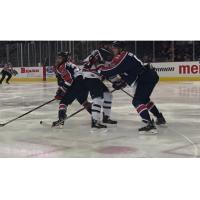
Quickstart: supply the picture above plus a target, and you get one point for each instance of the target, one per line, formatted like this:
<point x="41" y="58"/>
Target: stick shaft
<point x="126" y="93"/>
<point x="123" y="90"/>
<point x="29" y="112"/>
<point x="78" y="111"/>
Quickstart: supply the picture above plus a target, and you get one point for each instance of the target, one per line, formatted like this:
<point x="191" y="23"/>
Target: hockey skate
<point x="107" y="120"/>
<point x="150" y="129"/>
<point x="161" y="120"/>
<point x="97" y="124"/>
<point x="59" y="124"/>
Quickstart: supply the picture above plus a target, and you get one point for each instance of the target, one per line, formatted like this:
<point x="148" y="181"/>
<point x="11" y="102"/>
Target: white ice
<point x="179" y="102"/>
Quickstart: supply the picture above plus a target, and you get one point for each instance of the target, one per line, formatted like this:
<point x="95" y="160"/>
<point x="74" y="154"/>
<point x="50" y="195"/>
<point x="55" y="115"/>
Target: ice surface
<point x="180" y="103"/>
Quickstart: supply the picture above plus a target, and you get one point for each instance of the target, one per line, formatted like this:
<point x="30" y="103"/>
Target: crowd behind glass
<point x="35" y="53"/>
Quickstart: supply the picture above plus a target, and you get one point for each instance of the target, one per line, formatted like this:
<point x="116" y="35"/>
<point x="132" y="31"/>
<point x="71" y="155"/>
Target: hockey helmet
<point x="64" y="55"/>
<point x="118" y="44"/>
<point x="105" y="55"/>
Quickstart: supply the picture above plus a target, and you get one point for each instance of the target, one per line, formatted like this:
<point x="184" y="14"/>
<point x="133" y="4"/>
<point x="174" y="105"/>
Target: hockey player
<point x="100" y="94"/>
<point x="7" y="71"/>
<point x="71" y="86"/>
<point x="134" y="72"/>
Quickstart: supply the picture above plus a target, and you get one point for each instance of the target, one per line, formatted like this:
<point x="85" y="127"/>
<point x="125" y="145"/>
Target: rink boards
<point x="168" y="71"/>
<point x="178" y="71"/>
<point x="15" y="79"/>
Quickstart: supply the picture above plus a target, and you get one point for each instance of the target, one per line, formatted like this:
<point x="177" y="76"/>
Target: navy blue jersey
<point x="66" y="74"/>
<point x="127" y="65"/>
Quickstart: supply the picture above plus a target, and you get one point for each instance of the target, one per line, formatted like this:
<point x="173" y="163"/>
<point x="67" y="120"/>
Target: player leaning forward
<point x="71" y="86"/>
<point x="145" y="78"/>
<point x="7" y="71"/>
<point x="100" y="94"/>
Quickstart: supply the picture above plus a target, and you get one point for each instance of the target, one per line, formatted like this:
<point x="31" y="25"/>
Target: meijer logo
<point x="189" y="69"/>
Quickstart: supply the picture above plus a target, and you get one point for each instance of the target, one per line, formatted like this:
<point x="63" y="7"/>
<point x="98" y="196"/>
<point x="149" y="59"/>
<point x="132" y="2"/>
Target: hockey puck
<point x="40" y="122"/>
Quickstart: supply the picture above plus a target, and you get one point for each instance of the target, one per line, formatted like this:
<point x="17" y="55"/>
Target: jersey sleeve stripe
<point x="114" y="63"/>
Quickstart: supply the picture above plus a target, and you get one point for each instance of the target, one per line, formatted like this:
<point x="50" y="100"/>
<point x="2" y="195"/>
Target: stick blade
<point x="49" y="125"/>
<point x="45" y="124"/>
<point x="1" y="125"/>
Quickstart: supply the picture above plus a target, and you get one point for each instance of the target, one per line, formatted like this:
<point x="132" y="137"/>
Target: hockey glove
<point x="120" y="84"/>
<point x="60" y="93"/>
<point x="88" y="106"/>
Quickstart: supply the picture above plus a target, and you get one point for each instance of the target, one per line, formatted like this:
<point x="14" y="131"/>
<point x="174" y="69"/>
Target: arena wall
<point x="168" y="71"/>
<point x="178" y="71"/>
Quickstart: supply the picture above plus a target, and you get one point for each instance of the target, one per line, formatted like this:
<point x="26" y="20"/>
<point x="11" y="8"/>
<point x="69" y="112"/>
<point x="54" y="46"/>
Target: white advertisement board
<point x="49" y="72"/>
<point x="29" y="72"/>
<point x="167" y="71"/>
<point x="178" y="69"/>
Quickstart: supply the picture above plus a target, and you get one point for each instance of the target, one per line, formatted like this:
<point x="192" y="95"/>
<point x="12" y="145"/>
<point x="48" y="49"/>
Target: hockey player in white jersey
<point x="100" y="94"/>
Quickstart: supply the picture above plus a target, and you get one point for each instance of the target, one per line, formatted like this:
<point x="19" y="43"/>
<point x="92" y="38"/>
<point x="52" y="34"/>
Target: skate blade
<point x="110" y="125"/>
<point x="163" y="125"/>
<point x="48" y="125"/>
<point x="151" y="132"/>
<point x="58" y="127"/>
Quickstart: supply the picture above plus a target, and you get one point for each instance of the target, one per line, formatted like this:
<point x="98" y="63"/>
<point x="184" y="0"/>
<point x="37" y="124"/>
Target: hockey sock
<point x="107" y="103"/>
<point x="96" y="108"/>
<point x="153" y="109"/>
<point x="143" y="112"/>
<point x="62" y="112"/>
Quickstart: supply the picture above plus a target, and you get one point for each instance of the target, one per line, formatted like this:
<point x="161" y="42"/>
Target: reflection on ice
<point x="180" y="102"/>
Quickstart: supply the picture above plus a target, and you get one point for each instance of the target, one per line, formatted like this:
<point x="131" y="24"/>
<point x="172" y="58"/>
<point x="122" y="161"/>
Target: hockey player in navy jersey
<point x="135" y="73"/>
<point x="71" y="86"/>
<point x="100" y="94"/>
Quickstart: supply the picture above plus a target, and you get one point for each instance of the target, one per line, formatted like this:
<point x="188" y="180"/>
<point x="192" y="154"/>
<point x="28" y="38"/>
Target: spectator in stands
<point x="163" y="51"/>
<point x="147" y="59"/>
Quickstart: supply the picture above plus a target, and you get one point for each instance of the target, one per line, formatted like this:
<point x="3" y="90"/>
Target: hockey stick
<point x="126" y="93"/>
<point x="122" y="89"/>
<point x="78" y="111"/>
<point x="12" y="120"/>
<point x="73" y="114"/>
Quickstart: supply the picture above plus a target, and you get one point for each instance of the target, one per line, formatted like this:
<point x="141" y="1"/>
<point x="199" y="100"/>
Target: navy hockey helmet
<point x="118" y="44"/>
<point x="105" y="54"/>
<point x="64" y="55"/>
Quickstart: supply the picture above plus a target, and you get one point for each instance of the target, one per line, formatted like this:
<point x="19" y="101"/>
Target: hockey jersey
<point x="92" y="64"/>
<point x="127" y="65"/>
<point x="8" y="68"/>
<point x="66" y="73"/>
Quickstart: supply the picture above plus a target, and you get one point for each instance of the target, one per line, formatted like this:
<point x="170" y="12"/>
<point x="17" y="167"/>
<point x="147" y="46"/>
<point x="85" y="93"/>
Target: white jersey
<point x="92" y="66"/>
<point x="90" y="69"/>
